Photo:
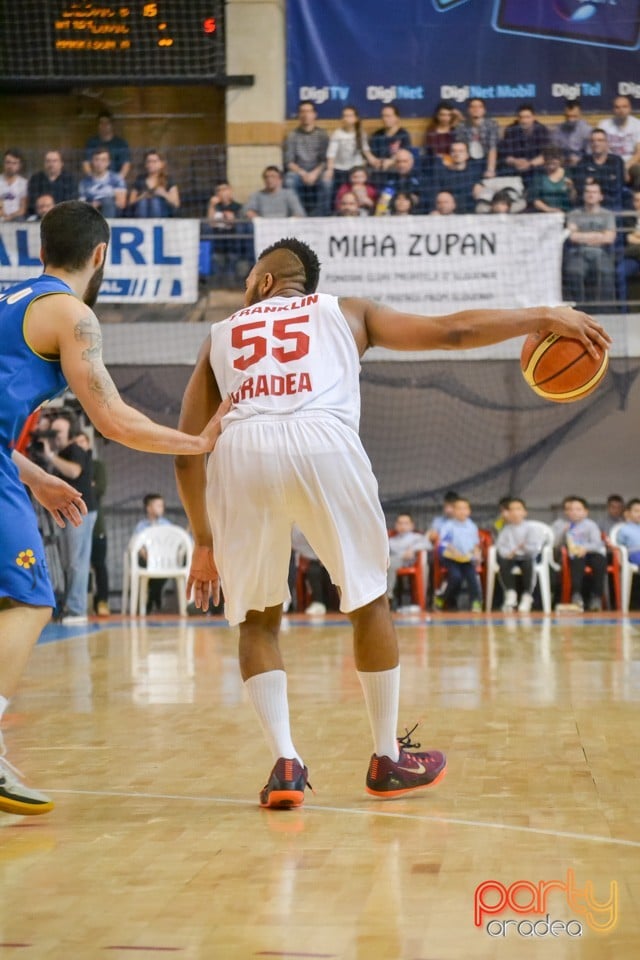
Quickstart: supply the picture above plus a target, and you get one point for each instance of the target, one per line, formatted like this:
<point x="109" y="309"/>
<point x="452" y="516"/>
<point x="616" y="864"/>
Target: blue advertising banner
<point x="416" y="52"/>
<point x="148" y="261"/>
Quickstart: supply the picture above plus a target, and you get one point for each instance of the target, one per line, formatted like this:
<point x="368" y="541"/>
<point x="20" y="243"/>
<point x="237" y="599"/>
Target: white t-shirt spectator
<point x="11" y="195"/>
<point x="622" y="140"/>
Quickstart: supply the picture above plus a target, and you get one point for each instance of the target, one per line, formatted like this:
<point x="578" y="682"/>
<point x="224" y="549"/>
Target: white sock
<point x="382" y="696"/>
<point x="268" y="694"/>
<point x="4" y="703"/>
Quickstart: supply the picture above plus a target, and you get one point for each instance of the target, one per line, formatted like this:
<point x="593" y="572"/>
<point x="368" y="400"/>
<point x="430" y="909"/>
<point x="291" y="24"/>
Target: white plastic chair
<point x="627" y="569"/>
<point x="168" y="552"/>
<point x="542" y="567"/>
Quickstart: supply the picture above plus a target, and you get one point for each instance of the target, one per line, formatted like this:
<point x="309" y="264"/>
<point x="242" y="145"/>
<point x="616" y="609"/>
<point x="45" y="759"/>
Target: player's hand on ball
<point x="203" y="581"/>
<point x="577" y="325"/>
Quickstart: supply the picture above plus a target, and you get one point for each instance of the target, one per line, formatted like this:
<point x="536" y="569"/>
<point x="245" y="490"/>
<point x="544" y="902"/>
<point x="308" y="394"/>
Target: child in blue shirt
<point x="459" y="550"/>
<point x="628" y="534"/>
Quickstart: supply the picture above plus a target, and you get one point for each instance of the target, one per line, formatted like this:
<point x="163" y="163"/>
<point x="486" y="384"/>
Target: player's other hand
<point x="61" y="500"/>
<point x="204" y="581"/>
<point x="213" y="429"/>
<point x="568" y="322"/>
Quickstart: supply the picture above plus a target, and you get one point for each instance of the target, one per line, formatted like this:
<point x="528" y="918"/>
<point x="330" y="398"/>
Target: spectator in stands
<point x="106" y="139"/>
<point x="461" y="178"/>
<point x="551" y="190"/>
<point x="561" y="523"/>
<point x="223" y="211"/>
<point x="70" y="460"/>
<point x="523" y="143"/>
<point x="614" y="514"/>
<point x="154" y="507"/>
<point x="502" y="517"/>
<point x="53" y="180"/>
<point x="481" y="135"/>
<point x="433" y="533"/>
<point x="44" y="203"/>
<point x="13" y="187"/>
<point x="459" y="549"/>
<point x="604" y="168"/>
<point x="631" y="260"/>
<point x="154" y="193"/>
<point x="348" y="148"/>
<point x="103" y="189"/>
<point x="518" y="544"/>
<point x="403" y="177"/>
<point x="365" y="193"/>
<point x="444" y="204"/>
<point x="387" y="140"/>
<point x="572" y="136"/>
<point x="231" y="238"/>
<point x="628" y="534"/>
<point x="589" y="263"/>
<point x="440" y="133"/>
<point x="501" y="202"/>
<point x="623" y="132"/>
<point x="305" y="160"/>
<point x="404" y="544"/>
<point x="349" y="206"/>
<point x="274" y="200"/>
<point x="402" y="205"/>
<point x="633" y="170"/>
<point x="585" y="547"/>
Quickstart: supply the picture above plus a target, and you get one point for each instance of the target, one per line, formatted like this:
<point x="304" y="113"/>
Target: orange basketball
<point x="559" y="368"/>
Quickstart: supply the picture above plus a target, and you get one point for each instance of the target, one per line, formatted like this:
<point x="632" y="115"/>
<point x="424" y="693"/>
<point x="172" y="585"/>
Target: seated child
<point x="628" y="534"/>
<point x="585" y="546"/>
<point x="403" y="546"/>
<point x="518" y="544"/>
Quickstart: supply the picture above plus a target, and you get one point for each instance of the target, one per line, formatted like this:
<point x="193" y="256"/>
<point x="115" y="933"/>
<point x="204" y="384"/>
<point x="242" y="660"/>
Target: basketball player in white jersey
<point x="290" y="453"/>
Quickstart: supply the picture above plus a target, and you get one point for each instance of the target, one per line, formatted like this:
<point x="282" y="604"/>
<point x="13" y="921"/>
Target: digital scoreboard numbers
<point x="160" y="41"/>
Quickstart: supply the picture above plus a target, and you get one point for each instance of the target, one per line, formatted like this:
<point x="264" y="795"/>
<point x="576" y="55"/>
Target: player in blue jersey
<point x="50" y="337"/>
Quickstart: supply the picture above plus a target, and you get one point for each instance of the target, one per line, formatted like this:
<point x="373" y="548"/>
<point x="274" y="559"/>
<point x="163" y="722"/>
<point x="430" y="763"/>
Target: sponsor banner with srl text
<point x="433" y="264"/>
<point x="148" y="261"/>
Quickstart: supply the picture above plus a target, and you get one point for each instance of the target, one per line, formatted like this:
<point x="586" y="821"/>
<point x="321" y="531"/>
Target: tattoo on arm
<point x="87" y="332"/>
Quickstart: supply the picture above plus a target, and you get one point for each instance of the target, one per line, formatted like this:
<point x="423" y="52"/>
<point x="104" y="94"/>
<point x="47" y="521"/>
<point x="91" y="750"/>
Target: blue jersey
<point x="26" y="380"/>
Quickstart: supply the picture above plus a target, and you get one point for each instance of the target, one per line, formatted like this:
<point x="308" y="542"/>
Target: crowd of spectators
<point x="464" y="164"/>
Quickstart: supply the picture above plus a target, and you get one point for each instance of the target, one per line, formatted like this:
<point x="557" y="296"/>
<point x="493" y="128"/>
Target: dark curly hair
<point x="306" y="256"/>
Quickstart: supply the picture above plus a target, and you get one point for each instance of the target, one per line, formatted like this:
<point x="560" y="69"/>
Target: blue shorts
<point x="24" y="575"/>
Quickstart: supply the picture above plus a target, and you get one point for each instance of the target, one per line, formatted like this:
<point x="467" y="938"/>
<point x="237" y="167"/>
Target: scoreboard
<point x="165" y="41"/>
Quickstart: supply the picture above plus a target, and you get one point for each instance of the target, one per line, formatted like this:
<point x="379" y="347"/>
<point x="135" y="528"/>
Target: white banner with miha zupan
<point x="434" y="264"/>
<point x="148" y="261"/>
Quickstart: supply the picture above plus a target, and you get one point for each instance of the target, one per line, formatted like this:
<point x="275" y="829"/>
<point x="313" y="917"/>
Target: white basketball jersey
<point x="288" y="355"/>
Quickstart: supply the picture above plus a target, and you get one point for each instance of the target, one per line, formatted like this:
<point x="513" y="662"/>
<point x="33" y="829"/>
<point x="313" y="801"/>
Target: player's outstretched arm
<point x="378" y="325"/>
<point x="57" y="496"/>
<point x="80" y="348"/>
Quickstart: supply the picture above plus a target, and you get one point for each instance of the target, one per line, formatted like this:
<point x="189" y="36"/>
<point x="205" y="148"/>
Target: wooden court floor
<point x="157" y="847"/>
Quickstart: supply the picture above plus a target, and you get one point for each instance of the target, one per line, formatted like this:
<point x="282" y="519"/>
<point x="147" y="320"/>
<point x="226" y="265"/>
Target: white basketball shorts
<point x="264" y="475"/>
